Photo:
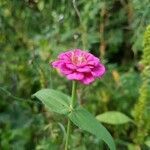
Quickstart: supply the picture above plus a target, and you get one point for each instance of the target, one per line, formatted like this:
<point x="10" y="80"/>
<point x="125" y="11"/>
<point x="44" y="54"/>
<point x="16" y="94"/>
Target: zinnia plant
<point x="80" y="67"/>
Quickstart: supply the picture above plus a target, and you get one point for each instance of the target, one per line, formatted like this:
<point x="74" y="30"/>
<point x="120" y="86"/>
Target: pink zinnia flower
<point x="79" y="65"/>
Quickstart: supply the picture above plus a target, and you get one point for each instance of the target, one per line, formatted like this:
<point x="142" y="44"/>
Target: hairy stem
<point x="73" y="98"/>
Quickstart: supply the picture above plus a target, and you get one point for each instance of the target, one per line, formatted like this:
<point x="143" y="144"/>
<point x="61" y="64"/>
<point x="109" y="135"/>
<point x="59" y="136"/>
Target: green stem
<point x="73" y="98"/>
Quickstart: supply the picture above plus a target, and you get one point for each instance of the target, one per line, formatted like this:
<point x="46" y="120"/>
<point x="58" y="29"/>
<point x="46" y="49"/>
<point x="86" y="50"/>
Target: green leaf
<point x="113" y="117"/>
<point x="86" y="121"/>
<point x="55" y="101"/>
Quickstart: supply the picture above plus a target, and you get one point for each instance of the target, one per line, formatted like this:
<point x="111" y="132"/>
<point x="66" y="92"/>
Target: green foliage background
<point x="33" y="32"/>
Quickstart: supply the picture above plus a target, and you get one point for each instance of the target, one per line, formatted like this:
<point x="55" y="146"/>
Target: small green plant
<point x="141" y="108"/>
<point x="78" y="66"/>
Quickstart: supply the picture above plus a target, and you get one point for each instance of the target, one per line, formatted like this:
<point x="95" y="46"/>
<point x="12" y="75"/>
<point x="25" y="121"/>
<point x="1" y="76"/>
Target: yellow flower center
<point x="77" y="60"/>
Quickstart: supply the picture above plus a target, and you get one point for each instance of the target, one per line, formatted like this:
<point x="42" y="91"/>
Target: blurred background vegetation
<point x="34" y="32"/>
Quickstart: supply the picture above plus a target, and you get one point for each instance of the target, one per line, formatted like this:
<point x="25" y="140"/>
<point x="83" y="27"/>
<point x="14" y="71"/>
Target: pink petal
<point x="93" y="62"/>
<point x="75" y="76"/>
<point x="70" y="66"/>
<point x="56" y="64"/>
<point x="91" y="67"/>
<point x="78" y="52"/>
<point x="64" y="56"/>
<point x="88" y="78"/>
<point x="84" y="69"/>
<point x="89" y="57"/>
<point x="98" y="71"/>
<point x="64" y="70"/>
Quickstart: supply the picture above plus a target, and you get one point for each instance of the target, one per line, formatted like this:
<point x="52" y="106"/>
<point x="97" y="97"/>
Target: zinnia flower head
<point x="79" y="65"/>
